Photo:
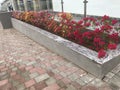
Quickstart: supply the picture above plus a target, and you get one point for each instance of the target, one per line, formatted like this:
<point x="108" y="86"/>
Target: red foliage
<point x="114" y="38"/>
<point x="114" y="21"/>
<point x="87" y="35"/>
<point x="98" y="43"/>
<point x="101" y="53"/>
<point x="112" y="46"/>
<point x="105" y="17"/>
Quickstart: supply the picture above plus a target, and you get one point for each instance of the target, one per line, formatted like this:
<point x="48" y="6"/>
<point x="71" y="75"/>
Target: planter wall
<point x="79" y="55"/>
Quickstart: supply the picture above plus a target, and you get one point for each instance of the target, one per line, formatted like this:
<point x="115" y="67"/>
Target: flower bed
<point x="84" y="57"/>
<point x="105" y="35"/>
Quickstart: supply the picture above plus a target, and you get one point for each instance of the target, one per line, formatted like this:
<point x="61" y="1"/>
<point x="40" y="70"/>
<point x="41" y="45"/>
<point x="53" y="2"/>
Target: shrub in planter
<point x="16" y="15"/>
<point x="99" y="34"/>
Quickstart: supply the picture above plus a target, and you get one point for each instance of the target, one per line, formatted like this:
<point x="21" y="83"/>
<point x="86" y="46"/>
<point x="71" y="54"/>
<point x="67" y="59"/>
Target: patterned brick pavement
<point x="26" y="65"/>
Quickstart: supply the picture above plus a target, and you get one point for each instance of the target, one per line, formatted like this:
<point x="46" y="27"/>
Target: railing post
<point x="85" y="8"/>
<point x="62" y="5"/>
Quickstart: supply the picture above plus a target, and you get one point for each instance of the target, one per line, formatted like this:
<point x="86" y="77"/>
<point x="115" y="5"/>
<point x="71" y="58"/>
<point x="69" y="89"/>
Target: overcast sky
<point x="1" y="1"/>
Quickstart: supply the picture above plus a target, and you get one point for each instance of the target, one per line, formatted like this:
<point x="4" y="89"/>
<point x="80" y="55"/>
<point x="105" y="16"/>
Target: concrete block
<point x="5" y="18"/>
<point x="69" y="50"/>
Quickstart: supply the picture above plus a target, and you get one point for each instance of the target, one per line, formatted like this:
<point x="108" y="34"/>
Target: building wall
<point x="4" y="5"/>
<point x="94" y="7"/>
<point x="27" y="5"/>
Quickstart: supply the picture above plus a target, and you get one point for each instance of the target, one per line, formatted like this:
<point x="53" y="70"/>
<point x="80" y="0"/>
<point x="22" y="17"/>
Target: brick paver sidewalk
<point x="26" y="65"/>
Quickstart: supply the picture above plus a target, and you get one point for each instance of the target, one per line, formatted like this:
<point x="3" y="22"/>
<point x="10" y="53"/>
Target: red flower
<point x="92" y="19"/>
<point x="97" y="40"/>
<point x="101" y="53"/>
<point x="85" y="19"/>
<point x="80" y="22"/>
<point x="112" y="46"/>
<point x="98" y="43"/>
<point x="69" y="35"/>
<point x="87" y="24"/>
<point x="73" y="22"/>
<point x="114" y="37"/>
<point x="106" y="28"/>
<point x="105" y="17"/>
<point x="97" y="23"/>
<point x="114" y="21"/>
<point x="63" y="15"/>
<point x="77" y="34"/>
<point x="70" y="27"/>
<point x="97" y="31"/>
<point x="87" y="35"/>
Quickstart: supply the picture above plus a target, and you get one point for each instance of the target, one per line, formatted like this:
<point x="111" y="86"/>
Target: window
<point x="30" y="5"/>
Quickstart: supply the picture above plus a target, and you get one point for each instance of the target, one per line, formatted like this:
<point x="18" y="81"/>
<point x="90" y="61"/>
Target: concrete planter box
<point x="81" y="56"/>
<point x="5" y="18"/>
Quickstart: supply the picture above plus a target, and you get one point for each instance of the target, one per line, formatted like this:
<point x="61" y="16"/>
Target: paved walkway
<point x="26" y="65"/>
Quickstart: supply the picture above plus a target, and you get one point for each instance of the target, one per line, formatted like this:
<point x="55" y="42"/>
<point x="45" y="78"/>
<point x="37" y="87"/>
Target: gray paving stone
<point x="56" y="71"/>
<point x="18" y="61"/>
<point x="19" y="72"/>
<point x="87" y="78"/>
<point x="7" y="65"/>
<point x="43" y="66"/>
<point x="110" y="75"/>
<point x="15" y="83"/>
<point x="70" y="87"/>
<point x="31" y="63"/>
<point x="3" y="73"/>
<point x="14" y="69"/>
<point x="61" y="84"/>
<point x="20" y="87"/>
<point x="69" y="65"/>
<point x="4" y="77"/>
<point x="106" y="79"/>
<point x="27" y="78"/>
<point x="50" y="81"/>
<point x="63" y="74"/>
<point x="25" y="74"/>
<point x="42" y="77"/>
<point x="97" y="82"/>
<point x="12" y="66"/>
<point x="118" y="74"/>
<point x="82" y="83"/>
<point x="73" y="77"/>
<point x="33" y="75"/>
<point x="114" y="87"/>
<point x="2" y="61"/>
<point x="116" y="69"/>
<point x="115" y="80"/>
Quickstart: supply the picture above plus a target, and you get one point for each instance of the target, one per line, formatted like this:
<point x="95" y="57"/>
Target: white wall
<point x="94" y="7"/>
